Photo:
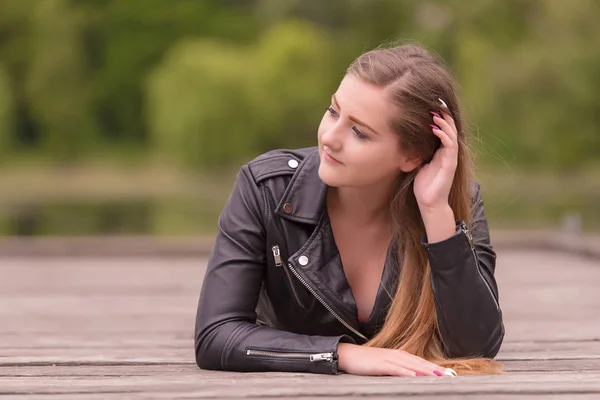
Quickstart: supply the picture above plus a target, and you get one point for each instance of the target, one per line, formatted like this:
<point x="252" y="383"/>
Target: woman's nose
<point x="332" y="137"/>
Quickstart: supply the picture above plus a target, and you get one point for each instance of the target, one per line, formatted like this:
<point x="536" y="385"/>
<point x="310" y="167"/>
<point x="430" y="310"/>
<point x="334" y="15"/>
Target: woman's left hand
<point x="434" y="180"/>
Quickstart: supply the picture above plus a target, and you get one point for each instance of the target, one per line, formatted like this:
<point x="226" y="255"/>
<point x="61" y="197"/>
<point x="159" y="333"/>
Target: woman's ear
<point x="409" y="163"/>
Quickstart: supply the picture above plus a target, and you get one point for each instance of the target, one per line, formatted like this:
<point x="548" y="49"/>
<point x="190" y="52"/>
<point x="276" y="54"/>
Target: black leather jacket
<point x="275" y="297"/>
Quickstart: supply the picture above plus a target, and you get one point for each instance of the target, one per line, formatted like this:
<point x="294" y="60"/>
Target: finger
<point x="446" y="140"/>
<point x="419" y="364"/>
<point x="444" y="124"/>
<point x="450" y="121"/>
<point x="398" y="370"/>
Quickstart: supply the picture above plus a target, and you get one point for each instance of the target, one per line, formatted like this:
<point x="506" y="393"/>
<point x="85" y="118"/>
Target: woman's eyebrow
<point x="351" y="118"/>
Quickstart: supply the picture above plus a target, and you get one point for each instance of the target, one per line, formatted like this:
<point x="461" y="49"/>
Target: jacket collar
<point x="304" y="199"/>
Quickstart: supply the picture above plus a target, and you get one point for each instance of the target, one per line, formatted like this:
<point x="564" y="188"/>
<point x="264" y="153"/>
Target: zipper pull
<point x="322" y="357"/>
<point x="467" y="233"/>
<point x="277" y="256"/>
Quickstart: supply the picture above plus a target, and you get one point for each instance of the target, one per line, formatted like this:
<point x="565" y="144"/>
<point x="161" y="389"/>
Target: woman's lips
<point x="331" y="159"/>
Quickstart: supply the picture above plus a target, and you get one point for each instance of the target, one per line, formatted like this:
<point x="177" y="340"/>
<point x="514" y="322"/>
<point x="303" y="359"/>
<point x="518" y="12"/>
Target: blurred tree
<point x="354" y="26"/>
<point x="57" y="80"/>
<point x="128" y="40"/>
<point x="212" y="103"/>
<point x="197" y="103"/>
<point x="528" y="70"/>
<point x="15" y="55"/>
<point x="6" y="114"/>
<point x="293" y="80"/>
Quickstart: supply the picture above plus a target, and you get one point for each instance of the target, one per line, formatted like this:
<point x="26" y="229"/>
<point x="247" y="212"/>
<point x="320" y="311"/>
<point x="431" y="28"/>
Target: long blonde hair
<point x="415" y="80"/>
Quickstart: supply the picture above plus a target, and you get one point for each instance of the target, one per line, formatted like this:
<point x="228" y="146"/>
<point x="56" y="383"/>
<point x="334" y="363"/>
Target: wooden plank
<point x="181" y="396"/>
<point x="118" y="328"/>
<point x="208" y="384"/>
<point x="122" y="369"/>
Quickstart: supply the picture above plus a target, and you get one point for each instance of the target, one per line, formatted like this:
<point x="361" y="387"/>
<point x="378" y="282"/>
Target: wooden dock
<point x="119" y="327"/>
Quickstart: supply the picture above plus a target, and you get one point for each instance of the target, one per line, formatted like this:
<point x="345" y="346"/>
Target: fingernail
<point x="434" y="127"/>
<point x="438" y="373"/>
<point x="450" y="372"/>
<point x="436" y="114"/>
<point x="419" y="374"/>
<point x="443" y="103"/>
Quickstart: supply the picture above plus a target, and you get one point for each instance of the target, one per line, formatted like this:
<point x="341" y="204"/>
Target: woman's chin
<point x="329" y="177"/>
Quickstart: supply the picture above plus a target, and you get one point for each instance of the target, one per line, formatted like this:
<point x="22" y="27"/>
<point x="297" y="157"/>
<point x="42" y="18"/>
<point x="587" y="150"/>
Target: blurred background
<point x="131" y="117"/>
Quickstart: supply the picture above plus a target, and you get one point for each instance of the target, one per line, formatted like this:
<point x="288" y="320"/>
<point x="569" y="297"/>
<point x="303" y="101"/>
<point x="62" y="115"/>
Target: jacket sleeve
<point x="465" y="290"/>
<point x="226" y="334"/>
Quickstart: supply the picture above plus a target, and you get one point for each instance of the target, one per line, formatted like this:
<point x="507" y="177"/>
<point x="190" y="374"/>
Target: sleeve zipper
<point x="329" y="357"/>
<point x="467" y="232"/>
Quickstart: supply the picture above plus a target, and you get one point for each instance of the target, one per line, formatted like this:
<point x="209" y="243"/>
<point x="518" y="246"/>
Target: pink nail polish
<point x="438" y="373"/>
<point x="434" y="127"/>
<point x="436" y="114"/>
<point x="419" y="374"/>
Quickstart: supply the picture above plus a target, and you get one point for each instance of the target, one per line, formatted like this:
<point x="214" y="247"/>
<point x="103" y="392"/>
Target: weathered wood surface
<point x="108" y="328"/>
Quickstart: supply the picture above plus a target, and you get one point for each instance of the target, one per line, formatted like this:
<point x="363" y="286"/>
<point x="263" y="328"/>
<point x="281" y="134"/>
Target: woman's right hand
<point x="361" y="360"/>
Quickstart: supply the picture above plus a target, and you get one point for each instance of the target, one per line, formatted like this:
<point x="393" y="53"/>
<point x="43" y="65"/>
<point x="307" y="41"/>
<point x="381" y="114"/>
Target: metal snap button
<point x="293" y="164"/>
<point x="288" y="208"/>
<point x="303" y="260"/>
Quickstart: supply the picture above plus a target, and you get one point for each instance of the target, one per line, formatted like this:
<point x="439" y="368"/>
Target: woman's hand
<point x="361" y="360"/>
<point x="434" y="180"/>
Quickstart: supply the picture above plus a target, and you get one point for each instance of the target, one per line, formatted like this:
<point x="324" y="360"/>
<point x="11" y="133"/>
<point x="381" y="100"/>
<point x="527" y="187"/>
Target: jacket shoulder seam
<point x="272" y="166"/>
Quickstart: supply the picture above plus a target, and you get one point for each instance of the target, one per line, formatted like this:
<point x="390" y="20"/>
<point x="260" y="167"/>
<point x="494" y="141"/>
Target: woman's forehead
<point x="366" y="102"/>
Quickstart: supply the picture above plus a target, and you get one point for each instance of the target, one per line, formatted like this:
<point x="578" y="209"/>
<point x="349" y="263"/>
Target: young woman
<point x="368" y="254"/>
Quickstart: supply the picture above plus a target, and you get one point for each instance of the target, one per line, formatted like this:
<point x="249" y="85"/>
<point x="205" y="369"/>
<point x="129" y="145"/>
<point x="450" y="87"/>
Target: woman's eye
<point x="332" y="111"/>
<point x="359" y="134"/>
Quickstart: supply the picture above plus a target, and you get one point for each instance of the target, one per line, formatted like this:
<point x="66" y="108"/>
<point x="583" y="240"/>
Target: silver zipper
<point x="278" y="263"/>
<point x="311" y="357"/>
<point x="311" y="290"/>
<point x="277" y="256"/>
<point x="467" y="233"/>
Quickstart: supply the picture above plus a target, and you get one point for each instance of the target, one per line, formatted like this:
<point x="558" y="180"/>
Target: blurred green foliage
<point x="212" y="83"/>
<point x="205" y="85"/>
<point x="211" y="103"/>
<point x="6" y="112"/>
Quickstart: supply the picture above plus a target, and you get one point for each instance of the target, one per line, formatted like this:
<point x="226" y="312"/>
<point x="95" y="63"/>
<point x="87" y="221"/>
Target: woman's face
<point x="356" y="145"/>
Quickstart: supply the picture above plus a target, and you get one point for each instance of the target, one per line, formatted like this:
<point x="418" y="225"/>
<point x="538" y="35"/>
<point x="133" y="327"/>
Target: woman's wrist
<point x="342" y="352"/>
<point x="439" y="223"/>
